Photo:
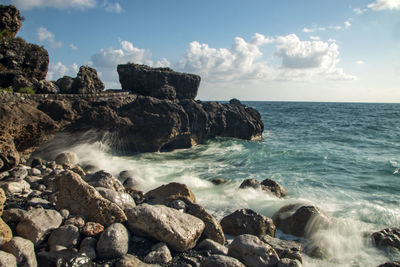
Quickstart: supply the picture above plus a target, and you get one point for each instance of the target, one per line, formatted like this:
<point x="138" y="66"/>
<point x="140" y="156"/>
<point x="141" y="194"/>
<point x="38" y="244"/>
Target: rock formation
<point x="10" y="21"/>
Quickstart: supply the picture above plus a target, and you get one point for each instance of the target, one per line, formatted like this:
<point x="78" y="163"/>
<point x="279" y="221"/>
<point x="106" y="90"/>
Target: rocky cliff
<point x="157" y="112"/>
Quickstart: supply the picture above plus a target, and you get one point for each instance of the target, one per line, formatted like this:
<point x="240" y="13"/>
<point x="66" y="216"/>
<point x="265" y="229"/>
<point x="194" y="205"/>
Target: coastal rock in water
<point x="69" y="158"/>
<point x="78" y="197"/>
<point x="163" y="83"/>
<point x="267" y="185"/>
<point x="212" y="246"/>
<point x="390" y="264"/>
<point x="36" y="223"/>
<point x="23" y="250"/>
<point x="247" y="221"/>
<point x="213" y="230"/>
<point x="10" y="21"/>
<point x="389" y="238"/>
<point x="300" y="220"/>
<point x="104" y="179"/>
<point x="252" y="251"/>
<point x="284" y="248"/>
<point x="159" y="254"/>
<point x="66" y="236"/>
<point x="122" y="199"/>
<point x="65" y="84"/>
<point x="87" y="82"/>
<point x="113" y="242"/>
<point x="179" y="230"/>
<point x="7" y="259"/>
<point x="221" y="261"/>
<point x="172" y="191"/>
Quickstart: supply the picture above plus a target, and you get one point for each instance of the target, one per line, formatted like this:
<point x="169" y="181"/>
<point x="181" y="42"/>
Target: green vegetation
<point x="5" y="33"/>
<point x="8" y="89"/>
<point x="26" y="90"/>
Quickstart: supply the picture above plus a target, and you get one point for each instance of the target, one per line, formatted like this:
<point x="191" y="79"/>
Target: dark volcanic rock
<point x="163" y="83"/>
<point x="10" y="20"/>
<point x="389" y="238"/>
<point x="300" y="220"/>
<point x="267" y="185"/>
<point x="20" y="58"/>
<point x="247" y="221"/>
<point x="87" y="82"/>
<point x="65" y="84"/>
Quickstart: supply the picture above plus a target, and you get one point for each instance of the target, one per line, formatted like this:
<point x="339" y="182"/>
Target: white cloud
<point x="310" y="30"/>
<point x="46" y="36"/>
<point x="300" y="60"/>
<point x="360" y="62"/>
<point x="60" y="4"/>
<point x="59" y="70"/>
<point x="106" y="61"/>
<point x="315" y="38"/>
<point x="385" y="5"/>
<point x="359" y="11"/>
<point x="347" y="24"/>
<point x="73" y="47"/>
<point x="338" y="28"/>
<point x="112" y="7"/>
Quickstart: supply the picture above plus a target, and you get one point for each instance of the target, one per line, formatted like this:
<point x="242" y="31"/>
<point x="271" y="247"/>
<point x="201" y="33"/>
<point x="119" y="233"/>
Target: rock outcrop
<point x="87" y="82"/>
<point x="163" y="83"/>
<point x="10" y="21"/>
<point x="387" y="238"/>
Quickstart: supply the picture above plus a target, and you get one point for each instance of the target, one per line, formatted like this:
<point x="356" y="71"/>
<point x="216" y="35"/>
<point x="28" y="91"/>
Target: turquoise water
<point x="344" y="158"/>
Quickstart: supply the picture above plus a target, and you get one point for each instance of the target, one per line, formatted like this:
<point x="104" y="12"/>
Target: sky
<point x="266" y="50"/>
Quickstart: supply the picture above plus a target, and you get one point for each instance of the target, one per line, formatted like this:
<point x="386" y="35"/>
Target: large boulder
<point x="7" y="259"/>
<point x="387" y="238"/>
<point x="23" y="250"/>
<point x="64" y="84"/>
<point x="247" y="221"/>
<point x="122" y="199"/>
<point x="79" y="197"/>
<point x="163" y="83"/>
<point x="36" y="223"/>
<point x="300" y="220"/>
<point x="5" y="232"/>
<point x="284" y="248"/>
<point x="87" y="81"/>
<point x="253" y="252"/>
<point x="169" y="192"/>
<point x="179" y="230"/>
<point x="10" y="21"/>
<point x="105" y="180"/>
<point x="113" y="242"/>
<point x="20" y="58"/>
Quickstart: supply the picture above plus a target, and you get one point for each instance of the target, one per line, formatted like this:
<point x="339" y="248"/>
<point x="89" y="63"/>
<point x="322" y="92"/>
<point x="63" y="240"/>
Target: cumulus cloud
<point x="106" y="61"/>
<point x="347" y="24"/>
<point x="60" y="4"/>
<point x="310" y="30"/>
<point x="112" y="7"/>
<point x="385" y="5"/>
<point x="46" y="36"/>
<point x="300" y="60"/>
<point x="359" y="11"/>
<point x="59" y="70"/>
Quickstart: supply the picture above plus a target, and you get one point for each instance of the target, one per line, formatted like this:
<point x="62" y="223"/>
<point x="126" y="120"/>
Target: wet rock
<point x="129" y="260"/>
<point x="104" y="179"/>
<point x="5" y="232"/>
<point x="289" y="263"/>
<point x="66" y="236"/>
<point x="178" y="205"/>
<point x="179" y="230"/>
<point x="122" y="199"/>
<point x="80" y="198"/>
<point x="161" y="83"/>
<point x="63" y="258"/>
<point x="159" y="254"/>
<point x="36" y="223"/>
<point x="10" y="20"/>
<point x="172" y="191"/>
<point x="267" y="185"/>
<point x="113" y="242"/>
<point x="284" y="248"/>
<point x="65" y="84"/>
<point x="92" y="229"/>
<point x="213" y="229"/>
<point x="219" y="181"/>
<point x="390" y="264"/>
<point x="7" y="259"/>
<point x="69" y="158"/>
<point x="221" y="261"/>
<point x="87" y="82"/>
<point x="389" y="238"/>
<point x="247" y="221"/>
<point x="300" y="220"/>
<point x="23" y="250"/>
<point x="212" y="246"/>
<point x="252" y="251"/>
<point x="88" y="246"/>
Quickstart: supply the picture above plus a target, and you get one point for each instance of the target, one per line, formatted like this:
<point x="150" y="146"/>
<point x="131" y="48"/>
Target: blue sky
<point x="284" y="50"/>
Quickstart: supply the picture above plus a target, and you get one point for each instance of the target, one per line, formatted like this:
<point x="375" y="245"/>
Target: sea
<point x="341" y="157"/>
